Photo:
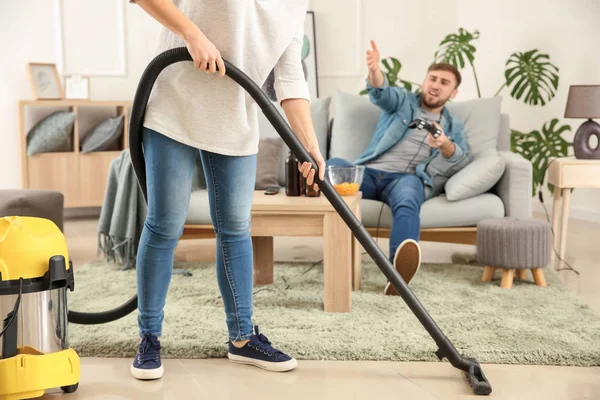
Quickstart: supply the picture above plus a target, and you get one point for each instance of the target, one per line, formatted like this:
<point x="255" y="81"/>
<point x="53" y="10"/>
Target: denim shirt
<point x="399" y="107"/>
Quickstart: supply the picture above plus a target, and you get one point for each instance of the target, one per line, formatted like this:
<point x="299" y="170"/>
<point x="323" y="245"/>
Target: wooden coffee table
<point x="281" y="215"/>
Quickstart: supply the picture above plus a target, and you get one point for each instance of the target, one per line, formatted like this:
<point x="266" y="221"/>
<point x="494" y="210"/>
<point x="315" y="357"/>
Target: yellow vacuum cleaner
<point x="35" y="273"/>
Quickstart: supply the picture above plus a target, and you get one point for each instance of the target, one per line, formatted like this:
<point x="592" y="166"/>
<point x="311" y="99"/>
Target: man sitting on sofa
<point x="404" y="166"/>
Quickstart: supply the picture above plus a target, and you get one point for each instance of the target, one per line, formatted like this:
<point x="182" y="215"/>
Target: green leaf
<point x="386" y="64"/>
<point x="539" y="147"/>
<point x="536" y="78"/>
<point x="397" y="65"/>
<point x="305" y="47"/>
<point x="454" y="48"/>
<point x="393" y="70"/>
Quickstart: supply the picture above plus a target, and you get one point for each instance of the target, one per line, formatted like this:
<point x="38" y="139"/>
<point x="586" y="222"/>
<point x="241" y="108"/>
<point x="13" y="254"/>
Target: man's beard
<point x="440" y="102"/>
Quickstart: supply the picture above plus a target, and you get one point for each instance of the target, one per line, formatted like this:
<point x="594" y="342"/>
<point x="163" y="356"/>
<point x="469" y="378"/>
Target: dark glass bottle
<point x="311" y="192"/>
<point x="292" y="176"/>
<point x="302" y="184"/>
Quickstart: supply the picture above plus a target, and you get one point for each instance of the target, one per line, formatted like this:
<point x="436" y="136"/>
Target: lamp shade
<point x="583" y="102"/>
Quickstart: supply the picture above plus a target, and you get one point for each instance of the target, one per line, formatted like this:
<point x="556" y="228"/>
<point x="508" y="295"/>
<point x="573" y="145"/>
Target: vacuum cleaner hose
<point x="470" y="367"/>
<point x="138" y="111"/>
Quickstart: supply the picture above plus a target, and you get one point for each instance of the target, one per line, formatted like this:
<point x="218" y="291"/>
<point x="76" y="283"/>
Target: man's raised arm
<point x="380" y="92"/>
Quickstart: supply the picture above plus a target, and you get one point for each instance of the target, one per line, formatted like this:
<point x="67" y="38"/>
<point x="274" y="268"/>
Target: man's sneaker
<point x="258" y="352"/>
<point x="147" y="364"/>
<point x="407" y="261"/>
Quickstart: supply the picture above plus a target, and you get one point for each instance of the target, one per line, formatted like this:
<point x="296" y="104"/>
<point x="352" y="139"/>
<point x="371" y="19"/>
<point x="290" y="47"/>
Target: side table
<point x="567" y="173"/>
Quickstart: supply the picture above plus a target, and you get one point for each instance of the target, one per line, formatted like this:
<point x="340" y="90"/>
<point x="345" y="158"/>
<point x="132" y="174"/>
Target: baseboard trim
<point x="71" y="213"/>
<point x="574" y="213"/>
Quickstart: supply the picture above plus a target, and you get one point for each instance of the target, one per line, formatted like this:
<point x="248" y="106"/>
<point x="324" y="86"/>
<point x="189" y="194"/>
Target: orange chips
<point x="346" y="188"/>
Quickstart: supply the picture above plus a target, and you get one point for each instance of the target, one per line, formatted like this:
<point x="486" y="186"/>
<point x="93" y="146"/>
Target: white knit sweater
<point x="257" y="36"/>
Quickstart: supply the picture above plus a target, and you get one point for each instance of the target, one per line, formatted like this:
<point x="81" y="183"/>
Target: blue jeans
<point x="230" y="182"/>
<point x="404" y="193"/>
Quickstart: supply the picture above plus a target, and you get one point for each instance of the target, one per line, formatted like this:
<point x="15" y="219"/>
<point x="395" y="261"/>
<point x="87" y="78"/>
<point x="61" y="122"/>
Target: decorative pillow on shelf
<point x="53" y="133"/>
<point x="267" y="162"/>
<point x="478" y="177"/>
<point x="104" y="136"/>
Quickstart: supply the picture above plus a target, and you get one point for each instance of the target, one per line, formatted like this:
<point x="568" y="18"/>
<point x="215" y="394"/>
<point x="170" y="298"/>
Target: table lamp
<point x="584" y="102"/>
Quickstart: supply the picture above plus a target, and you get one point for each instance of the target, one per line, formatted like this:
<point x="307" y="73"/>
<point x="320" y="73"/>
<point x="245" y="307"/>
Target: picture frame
<point x="77" y="87"/>
<point x="309" y="62"/>
<point x="309" y="55"/>
<point x="45" y="81"/>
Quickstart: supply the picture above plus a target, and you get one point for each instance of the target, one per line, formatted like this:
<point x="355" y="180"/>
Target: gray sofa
<point x="504" y="190"/>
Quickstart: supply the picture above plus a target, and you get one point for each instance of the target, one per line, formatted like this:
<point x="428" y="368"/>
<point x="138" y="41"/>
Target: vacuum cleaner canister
<point x="35" y="273"/>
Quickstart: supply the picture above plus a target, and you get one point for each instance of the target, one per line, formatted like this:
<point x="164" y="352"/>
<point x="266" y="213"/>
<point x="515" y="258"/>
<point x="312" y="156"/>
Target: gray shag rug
<point x="523" y="325"/>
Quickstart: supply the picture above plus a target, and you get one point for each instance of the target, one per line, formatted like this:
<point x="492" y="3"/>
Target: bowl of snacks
<point x="346" y="180"/>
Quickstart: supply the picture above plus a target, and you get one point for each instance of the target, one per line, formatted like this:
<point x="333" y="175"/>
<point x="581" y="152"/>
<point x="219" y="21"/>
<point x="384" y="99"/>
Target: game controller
<point x="420" y="123"/>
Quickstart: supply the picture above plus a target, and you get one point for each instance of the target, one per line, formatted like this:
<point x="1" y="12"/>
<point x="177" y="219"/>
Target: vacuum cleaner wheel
<point x="70" y="388"/>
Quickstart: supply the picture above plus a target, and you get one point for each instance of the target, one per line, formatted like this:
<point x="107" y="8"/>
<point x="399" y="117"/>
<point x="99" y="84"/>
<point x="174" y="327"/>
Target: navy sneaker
<point x="147" y="364"/>
<point x="258" y="352"/>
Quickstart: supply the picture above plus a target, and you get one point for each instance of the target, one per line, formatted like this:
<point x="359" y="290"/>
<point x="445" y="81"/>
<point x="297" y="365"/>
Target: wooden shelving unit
<point x="80" y="177"/>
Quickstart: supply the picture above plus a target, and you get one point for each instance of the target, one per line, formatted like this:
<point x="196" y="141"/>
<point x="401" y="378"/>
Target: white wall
<point x="20" y="43"/>
<point x="409" y="30"/>
<point x="34" y="37"/>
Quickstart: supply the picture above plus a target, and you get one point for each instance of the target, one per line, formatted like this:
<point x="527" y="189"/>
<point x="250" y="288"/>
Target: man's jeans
<point x="404" y="193"/>
<point x="230" y="181"/>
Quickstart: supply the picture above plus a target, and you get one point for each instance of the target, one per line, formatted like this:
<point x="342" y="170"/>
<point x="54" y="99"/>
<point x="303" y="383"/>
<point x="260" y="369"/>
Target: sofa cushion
<point x="438" y="212"/>
<point x="104" y="136"/>
<point x="199" y="209"/>
<point x="504" y="133"/>
<point x="51" y="134"/>
<point x="481" y="118"/>
<point x="355" y="121"/>
<point x="435" y="213"/>
<point x="198" y="180"/>
<point x="268" y="162"/>
<point x="267" y="165"/>
<point x="319" y="109"/>
<point x="478" y="177"/>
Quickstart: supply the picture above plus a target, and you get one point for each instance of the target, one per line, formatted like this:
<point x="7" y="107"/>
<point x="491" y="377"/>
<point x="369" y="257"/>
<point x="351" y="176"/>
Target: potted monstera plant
<point x="529" y="76"/>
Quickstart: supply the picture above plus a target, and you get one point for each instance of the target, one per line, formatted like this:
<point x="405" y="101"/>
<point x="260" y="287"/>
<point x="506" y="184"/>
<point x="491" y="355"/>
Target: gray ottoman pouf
<point x="46" y="204"/>
<point x="514" y="245"/>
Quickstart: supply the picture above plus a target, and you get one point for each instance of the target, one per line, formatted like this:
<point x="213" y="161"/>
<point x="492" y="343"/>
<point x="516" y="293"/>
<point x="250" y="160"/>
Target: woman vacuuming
<point x="193" y="110"/>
